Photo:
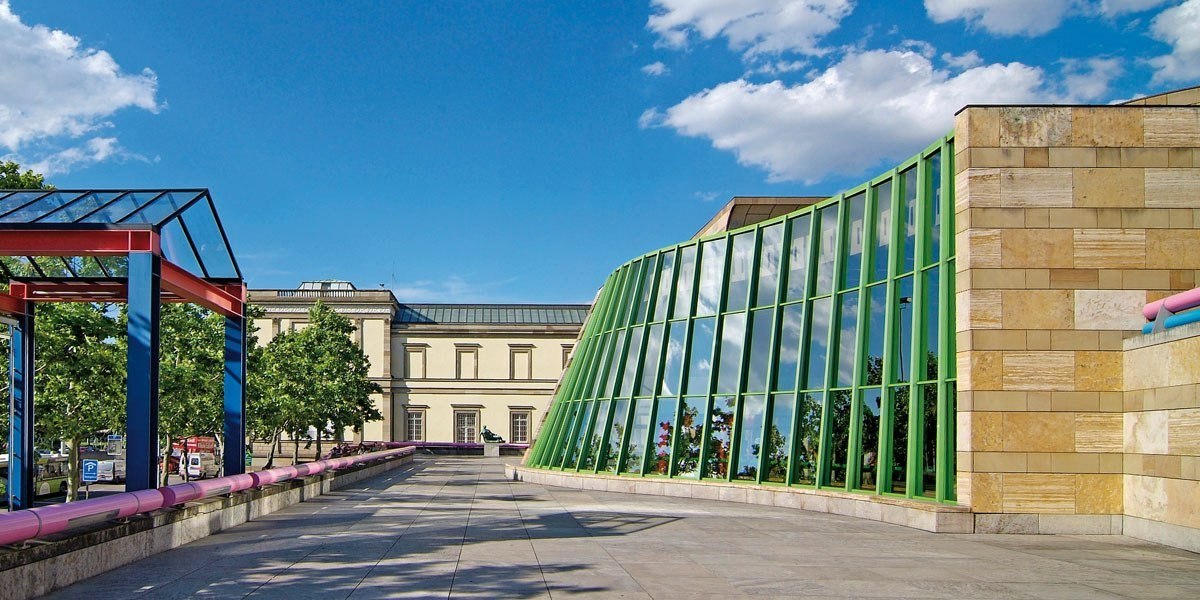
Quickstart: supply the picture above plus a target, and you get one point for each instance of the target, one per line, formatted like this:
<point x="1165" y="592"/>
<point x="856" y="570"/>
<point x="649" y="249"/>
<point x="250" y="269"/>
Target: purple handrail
<point x="21" y="525"/>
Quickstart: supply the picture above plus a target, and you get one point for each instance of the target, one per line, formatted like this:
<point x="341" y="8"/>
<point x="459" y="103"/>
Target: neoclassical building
<point x="953" y="345"/>
<point x="446" y="370"/>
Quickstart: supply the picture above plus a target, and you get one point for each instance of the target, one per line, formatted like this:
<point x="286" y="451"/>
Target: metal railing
<point x="1172" y="311"/>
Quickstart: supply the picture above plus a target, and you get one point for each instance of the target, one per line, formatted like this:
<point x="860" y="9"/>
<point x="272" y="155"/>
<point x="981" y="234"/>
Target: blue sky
<point x="518" y="151"/>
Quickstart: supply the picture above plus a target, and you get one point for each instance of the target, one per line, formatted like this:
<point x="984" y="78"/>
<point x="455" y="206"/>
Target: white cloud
<point x="870" y="107"/>
<point x="1002" y="17"/>
<point x="1178" y="26"/>
<point x="1088" y="80"/>
<point x="1112" y="8"/>
<point x="656" y="69"/>
<point x="57" y="88"/>
<point x="753" y="27"/>
<point x="451" y="289"/>
<point x="962" y="61"/>
<point x="95" y="150"/>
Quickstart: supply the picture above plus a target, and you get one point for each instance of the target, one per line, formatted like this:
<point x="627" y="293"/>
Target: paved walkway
<point x="453" y="527"/>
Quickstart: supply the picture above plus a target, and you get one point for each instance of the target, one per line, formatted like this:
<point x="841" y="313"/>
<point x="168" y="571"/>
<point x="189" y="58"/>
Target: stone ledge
<point x="1167" y="534"/>
<point x="927" y="516"/>
<point x="1048" y="524"/>
<point x="1162" y="337"/>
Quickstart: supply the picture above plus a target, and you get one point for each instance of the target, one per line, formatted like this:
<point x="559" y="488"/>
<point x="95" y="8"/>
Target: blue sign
<point x="91" y="470"/>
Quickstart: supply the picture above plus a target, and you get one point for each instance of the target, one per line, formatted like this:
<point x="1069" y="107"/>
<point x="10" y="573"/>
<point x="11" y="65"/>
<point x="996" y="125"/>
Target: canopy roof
<point x="190" y="233"/>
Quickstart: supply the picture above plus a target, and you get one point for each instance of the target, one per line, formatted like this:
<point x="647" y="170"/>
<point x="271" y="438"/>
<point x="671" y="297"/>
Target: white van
<point x="111" y="470"/>
<point x="200" y="465"/>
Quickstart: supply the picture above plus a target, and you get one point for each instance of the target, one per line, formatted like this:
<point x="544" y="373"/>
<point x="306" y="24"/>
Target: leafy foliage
<point x="12" y="178"/>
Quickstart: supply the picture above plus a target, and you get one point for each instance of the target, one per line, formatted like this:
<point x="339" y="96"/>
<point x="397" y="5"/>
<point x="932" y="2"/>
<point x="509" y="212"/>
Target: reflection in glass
<point x="631" y="361"/>
<point x="664" y="286"/>
<point x="572" y="422"/>
<point x="592" y="452"/>
<point x="616" y="435"/>
<point x="826" y="248"/>
<point x="818" y="343"/>
<point x="712" y="268"/>
<point x="750" y="437"/>
<point x="632" y="273"/>
<point x="876" y="322"/>
<point x="768" y="265"/>
<point x="868" y="455"/>
<point x="596" y="370"/>
<point x="647" y="289"/>
<point x="856" y="212"/>
<point x="650" y="363"/>
<point x="798" y="244"/>
<point x="788" y="353"/>
<point x="808" y="437"/>
<point x="733" y="331"/>
<point x="683" y="283"/>
<point x="760" y="350"/>
<point x="883" y="230"/>
<point x="660" y="440"/>
<point x="577" y="446"/>
<point x="691" y="426"/>
<point x="635" y="451"/>
<point x="908" y="208"/>
<point x="899" y="424"/>
<point x="739" y="271"/>
<point x="674" y="361"/>
<point x="720" y="432"/>
<point x="779" y="437"/>
<point x="904" y="317"/>
<point x="700" y="356"/>
<point x="933" y="226"/>
<point x="929" y="414"/>
<point x="930" y="301"/>
<point x="614" y="362"/>
<point x="839" y="440"/>
<point x="847" y="338"/>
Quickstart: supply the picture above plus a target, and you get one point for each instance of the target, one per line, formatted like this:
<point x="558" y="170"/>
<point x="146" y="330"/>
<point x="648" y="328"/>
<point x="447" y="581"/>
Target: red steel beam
<point x="77" y="242"/>
<point x="194" y="289"/>
<point x="11" y="305"/>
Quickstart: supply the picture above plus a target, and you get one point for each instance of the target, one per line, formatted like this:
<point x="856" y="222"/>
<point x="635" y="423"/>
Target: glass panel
<point x="616" y="435"/>
<point x="664" y="286"/>
<point x="768" y="265"/>
<point x="899" y="425"/>
<point x="929" y="356"/>
<point x="674" y="362"/>
<point x="202" y="225"/>
<point x="176" y="248"/>
<point x="818" y="344"/>
<point x="631" y="361"/>
<point x="868" y="456"/>
<point x="839" y="413"/>
<point x="79" y="208"/>
<point x="38" y="208"/>
<point x="883" y="230"/>
<point x="683" y="283"/>
<point x="908" y="208"/>
<point x="779" y="437"/>
<point x="788" y="354"/>
<point x="572" y="423"/>
<point x="647" y="288"/>
<point x="720" y="431"/>
<point x="847" y="338"/>
<point x="592" y="454"/>
<point x="577" y="447"/>
<point x="826" y="249"/>
<point x="733" y="332"/>
<point x="614" y="361"/>
<point x="856" y="211"/>
<point x="933" y="225"/>
<point x="798" y="243"/>
<point x="712" y="267"/>
<point x="664" y="428"/>
<point x="700" y="356"/>
<point x="739" y="271"/>
<point x="126" y="205"/>
<point x="691" y="426"/>
<point x="597" y="365"/>
<point x="635" y="451"/>
<point x="750" y="437"/>
<point x="633" y="273"/>
<point x="650" y="363"/>
<point x="904" y="310"/>
<point x="876" y="323"/>
<point x="929" y="410"/>
<point x="17" y="199"/>
<point x="808" y="438"/>
<point x="760" y="350"/>
<point x="157" y="210"/>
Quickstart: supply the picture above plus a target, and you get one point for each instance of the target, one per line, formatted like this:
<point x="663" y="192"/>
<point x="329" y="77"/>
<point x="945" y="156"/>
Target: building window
<point x="466" y="364"/>
<point x="414" y="361"/>
<point x="566" y="356"/>
<point x="520" y="361"/>
<point x="518" y="430"/>
<point x="466" y="426"/>
<point x="415" y="426"/>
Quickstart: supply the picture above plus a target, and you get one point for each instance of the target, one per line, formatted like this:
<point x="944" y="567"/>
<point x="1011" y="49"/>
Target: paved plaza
<point x="454" y="527"/>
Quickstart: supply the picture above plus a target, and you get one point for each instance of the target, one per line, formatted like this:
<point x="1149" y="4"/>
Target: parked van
<point x="200" y="465"/>
<point x="111" y="470"/>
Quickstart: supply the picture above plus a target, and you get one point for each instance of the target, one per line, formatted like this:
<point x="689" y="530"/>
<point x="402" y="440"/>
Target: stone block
<point x="1038" y="309"/>
<point x="1182" y="218"/>
<point x="999" y="462"/>
<point x="1146" y="218"/>
<point x="984" y="372"/>
<point x="1044" y="188"/>
<point x="1037" y="218"/>
<point x="1070" y="339"/>
<point x="1143" y="157"/>
<point x="986" y="492"/>
<point x="1108" y="157"/>
<point x="1184" y="357"/>
<point x="1071" y="157"/>
<point x="1037" y="158"/>
<point x="997" y="279"/>
<point x="1074" y="401"/>
<point x="980" y="125"/>
<point x="1036" y="248"/>
<point x="1039" y="462"/>
<point x="1039" y="493"/>
<point x="1035" y="126"/>
<point x="1146" y="432"/>
<point x="1074" y="463"/>
<point x="1180" y="158"/>
<point x="983" y="248"/>
<point x="1183" y="431"/>
<point x="1106" y="126"/>
<point x="996" y="157"/>
<point x="1037" y="279"/>
<point x="1074" y="279"/>
<point x="999" y="401"/>
<point x="1173" y="248"/>
<point x="1072" y="217"/>
<point x="1145" y="279"/>
<point x="1109" y="188"/>
<point x="997" y="217"/>
<point x="1109" y="248"/>
<point x="1171" y="188"/>
<point x="1099" y="432"/>
<point x="1002" y="523"/>
<point x="983" y="308"/>
<point x="1052" y="524"/>
<point x="982" y="188"/>
<point x="1166" y="127"/>
<point x="1098" y="371"/>
<point x="1039" y="432"/>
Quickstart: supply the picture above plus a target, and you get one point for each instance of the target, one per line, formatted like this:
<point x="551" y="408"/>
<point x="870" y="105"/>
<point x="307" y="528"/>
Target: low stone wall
<point x="927" y="516"/>
<point x="57" y="561"/>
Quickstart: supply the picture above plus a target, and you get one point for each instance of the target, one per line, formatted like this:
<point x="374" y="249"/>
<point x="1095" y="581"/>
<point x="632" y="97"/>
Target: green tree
<point x="11" y="178"/>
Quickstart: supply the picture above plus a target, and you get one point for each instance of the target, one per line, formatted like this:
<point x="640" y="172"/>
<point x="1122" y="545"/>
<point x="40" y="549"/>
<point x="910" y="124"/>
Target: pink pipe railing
<point x="1174" y="304"/>
<point x="21" y="525"/>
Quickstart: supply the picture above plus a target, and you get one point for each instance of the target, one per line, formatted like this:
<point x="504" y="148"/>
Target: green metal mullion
<point x="916" y="406"/>
<point x="714" y="373"/>
<point x="637" y="367"/>
<point x="890" y="316"/>
<point x="772" y="353"/>
<point x="539" y="443"/>
<point x="785" y="265"/>
<point x="946" y="406"/>
<point x="744" y="360"/>
<point x="810" y="276"/>
<point x="685" y="369"/>
<point x="830" y="372"/>
<point x="860" y="344"/>
<point x="656" y="386"/>
<point x="633" y="393"/>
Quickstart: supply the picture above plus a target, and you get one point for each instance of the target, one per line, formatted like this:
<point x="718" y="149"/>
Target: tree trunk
<point x="73" y="471"/>
<point x="219" y="447"/>
<point x="319" y="436"/>
<point x="166" y="462"/>
<point x="271" y="453"/>
<point x="295" y="448"/>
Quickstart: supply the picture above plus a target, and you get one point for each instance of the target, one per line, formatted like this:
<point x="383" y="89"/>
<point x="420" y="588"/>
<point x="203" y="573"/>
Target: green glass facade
<point x="814" y="349"/>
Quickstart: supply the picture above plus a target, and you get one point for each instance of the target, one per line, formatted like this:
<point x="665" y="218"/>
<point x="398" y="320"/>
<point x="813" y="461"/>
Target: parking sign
<point x="91" y="470"/>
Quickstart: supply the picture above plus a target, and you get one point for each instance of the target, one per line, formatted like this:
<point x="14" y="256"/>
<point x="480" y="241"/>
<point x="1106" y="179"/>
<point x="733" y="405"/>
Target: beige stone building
<point x="446" y="370"/>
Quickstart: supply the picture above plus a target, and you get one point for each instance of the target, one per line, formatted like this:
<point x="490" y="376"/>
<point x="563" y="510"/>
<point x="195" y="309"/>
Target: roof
<point x="493" y="314"/>
<point x="748" y="210"/>
<point x="191" y="235"/>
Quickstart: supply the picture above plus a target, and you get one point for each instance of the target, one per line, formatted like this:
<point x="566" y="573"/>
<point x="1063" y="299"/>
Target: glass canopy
<point x="186" y="221"/>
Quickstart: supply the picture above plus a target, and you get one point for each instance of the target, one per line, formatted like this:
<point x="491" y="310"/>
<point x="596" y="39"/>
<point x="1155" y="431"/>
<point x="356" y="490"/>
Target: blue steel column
<point x="141" y="399"/>
<point x="22" y="464"/>
<point x="235" y="395"/>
